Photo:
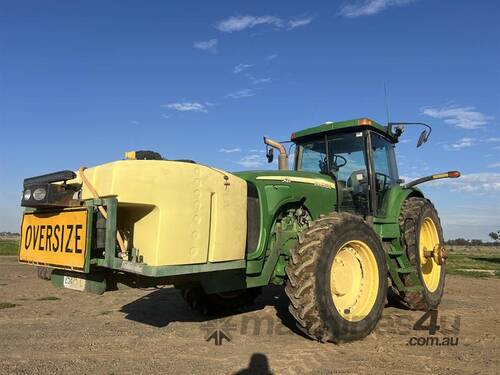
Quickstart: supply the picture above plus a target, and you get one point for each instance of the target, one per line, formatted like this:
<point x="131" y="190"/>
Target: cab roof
<point x="332" y="126"/>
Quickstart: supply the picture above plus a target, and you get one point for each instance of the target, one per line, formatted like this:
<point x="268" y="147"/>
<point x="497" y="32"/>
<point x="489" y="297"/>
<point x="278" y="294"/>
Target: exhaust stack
<point x="283" y="157"/>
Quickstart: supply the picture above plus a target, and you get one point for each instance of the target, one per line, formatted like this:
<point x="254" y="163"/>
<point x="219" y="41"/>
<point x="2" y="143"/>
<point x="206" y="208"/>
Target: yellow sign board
<point x="56" y="239"/>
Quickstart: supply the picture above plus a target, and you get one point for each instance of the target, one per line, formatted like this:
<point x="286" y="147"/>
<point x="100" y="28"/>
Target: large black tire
<point x="413" y="214"/>
<point x="309" y="286"/>
<point x="44" y="273"/>
<point x="218" y="303"/>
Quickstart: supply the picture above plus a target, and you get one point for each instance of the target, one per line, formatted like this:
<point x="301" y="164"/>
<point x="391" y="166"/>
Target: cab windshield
<point x="346" y="164"/>
<point x="345" y="161"/>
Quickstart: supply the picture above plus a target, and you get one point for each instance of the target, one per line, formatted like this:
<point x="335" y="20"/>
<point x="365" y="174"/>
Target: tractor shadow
<point x="166" y="305"/>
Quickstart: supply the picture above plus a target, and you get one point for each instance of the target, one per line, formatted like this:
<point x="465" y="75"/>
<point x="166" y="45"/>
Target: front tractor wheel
<point x="337" y="279"/>
<point x="422" y="238"/>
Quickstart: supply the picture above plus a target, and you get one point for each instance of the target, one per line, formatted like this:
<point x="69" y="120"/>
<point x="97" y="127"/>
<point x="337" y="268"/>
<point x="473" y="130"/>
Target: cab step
<point x="406" y="270"/>
<point x="395" y="253"/>
<point x="416" y="288"/>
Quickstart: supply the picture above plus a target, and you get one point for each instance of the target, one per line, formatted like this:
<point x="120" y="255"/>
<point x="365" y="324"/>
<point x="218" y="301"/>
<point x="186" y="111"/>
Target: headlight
<point x="39" y="194"/>
<point x="27" y="194"/>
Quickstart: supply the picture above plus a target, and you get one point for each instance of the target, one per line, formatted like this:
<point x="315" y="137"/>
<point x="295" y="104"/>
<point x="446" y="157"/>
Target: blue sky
<point x="81" y="82"/>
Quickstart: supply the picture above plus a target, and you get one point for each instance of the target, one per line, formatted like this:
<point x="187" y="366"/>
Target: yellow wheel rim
<point x="428" y="243"/>
<point x="354" y="280"/>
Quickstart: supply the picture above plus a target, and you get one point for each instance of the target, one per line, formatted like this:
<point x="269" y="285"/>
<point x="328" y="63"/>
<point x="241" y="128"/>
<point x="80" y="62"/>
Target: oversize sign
<point x="57" y="239"/>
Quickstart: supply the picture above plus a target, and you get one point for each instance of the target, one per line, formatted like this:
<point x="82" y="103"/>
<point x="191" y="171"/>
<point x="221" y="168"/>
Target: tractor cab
<point x="358" y="155"/>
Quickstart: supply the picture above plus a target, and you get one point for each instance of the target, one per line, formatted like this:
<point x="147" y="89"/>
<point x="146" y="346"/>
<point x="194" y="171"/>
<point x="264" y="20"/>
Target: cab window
<point x="348" y="164"/>
<point x="312" y="157"/>
<point x="386" y="173"/>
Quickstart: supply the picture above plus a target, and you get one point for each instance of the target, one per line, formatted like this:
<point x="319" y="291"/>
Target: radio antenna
<point x="387" y="113"/>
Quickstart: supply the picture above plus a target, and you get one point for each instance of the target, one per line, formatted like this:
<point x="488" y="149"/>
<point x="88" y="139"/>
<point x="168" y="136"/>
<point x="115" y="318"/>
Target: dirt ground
<point x="61" y="331"/>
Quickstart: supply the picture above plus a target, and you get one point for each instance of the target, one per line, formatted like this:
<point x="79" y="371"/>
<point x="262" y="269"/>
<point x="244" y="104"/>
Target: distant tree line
<point x="8" y="234"/>
<point x="495" y="236"/>
<point x="473" y="242"/>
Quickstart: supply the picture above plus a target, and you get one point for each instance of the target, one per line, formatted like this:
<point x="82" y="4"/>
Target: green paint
<point x="93" y="282"/>
<point x="280" y="199"/>
<point x="164" y="271"/>
<point x="335" y="126"/>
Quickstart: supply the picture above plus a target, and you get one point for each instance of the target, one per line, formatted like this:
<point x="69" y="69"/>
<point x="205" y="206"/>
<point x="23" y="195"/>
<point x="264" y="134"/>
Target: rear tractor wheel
<point x="44" y="273"/>
<point x="337" y="279"/>
<point x="422" y="238"/>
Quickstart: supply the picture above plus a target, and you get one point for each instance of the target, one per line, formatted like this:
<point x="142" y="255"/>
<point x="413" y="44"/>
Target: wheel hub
<point x="354" y="280"/>
<point x="438" y="254"/>
<point x="344" y="274"/>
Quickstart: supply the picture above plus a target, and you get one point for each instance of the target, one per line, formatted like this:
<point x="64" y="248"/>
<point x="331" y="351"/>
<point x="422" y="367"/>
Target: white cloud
<point x="239" y="23"/>
<point x="230" y="150"/>
<point x="470" y="219"/>
<point x="241" y="67"/>
<point x="271" y="57"/>
<point x="462" y="117"/>
<point x="474" y="182"/>
<point x="188" y="106"/>
<point x="256" y="80"/>
<point x="369" y="7"/>
<point x="494" y="165"/>
<point x="460" y="144"/>
<point x="251" y="161"/>
<point x="492" y="139"/>
<point x="165" y="116"/>
<point x="245" y="93"/>
<point x="208" y="45"/>
<point x="294" y="23"/>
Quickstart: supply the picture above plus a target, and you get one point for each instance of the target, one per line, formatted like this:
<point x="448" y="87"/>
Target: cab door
<point x="384" y="170"/>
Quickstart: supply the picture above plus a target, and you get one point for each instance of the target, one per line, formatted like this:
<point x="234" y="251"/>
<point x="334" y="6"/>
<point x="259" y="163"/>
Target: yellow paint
<point x="304" y="180"/>
<point x="354" y="281"/>
<point x="440" y="175"/>
<point x="55" y="239"/>
<point x="173" y="212"/>
<point x="130" y="155"/>
<point x="430" y="269"/>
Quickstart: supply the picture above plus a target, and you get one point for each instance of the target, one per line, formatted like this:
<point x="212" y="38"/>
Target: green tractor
<point x="340" y="230"/>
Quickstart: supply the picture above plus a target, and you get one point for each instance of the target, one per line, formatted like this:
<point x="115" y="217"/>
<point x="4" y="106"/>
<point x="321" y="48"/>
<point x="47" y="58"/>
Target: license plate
<point x="74" y="283"/>
<point x="56" y="239"/>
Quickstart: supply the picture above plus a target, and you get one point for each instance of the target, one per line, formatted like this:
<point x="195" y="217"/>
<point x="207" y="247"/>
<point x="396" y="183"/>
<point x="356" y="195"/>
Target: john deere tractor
<point x="338" y="230"/>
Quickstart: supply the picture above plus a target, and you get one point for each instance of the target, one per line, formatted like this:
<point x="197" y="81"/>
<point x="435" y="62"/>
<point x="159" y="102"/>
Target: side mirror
<point x="270" y="154"/>
<point x="398" y="130"/>
<point x="423" y="138"/>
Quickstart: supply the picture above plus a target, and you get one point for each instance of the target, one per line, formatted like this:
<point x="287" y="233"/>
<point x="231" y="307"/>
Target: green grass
<point x="49" y="298"/>
<point x="9" y="247"/>
<point x="7" y="305"/>
<point x="474" y="261"/>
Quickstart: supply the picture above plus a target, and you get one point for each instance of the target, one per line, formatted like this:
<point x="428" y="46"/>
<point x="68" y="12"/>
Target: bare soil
<point x="132" y="331"/>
